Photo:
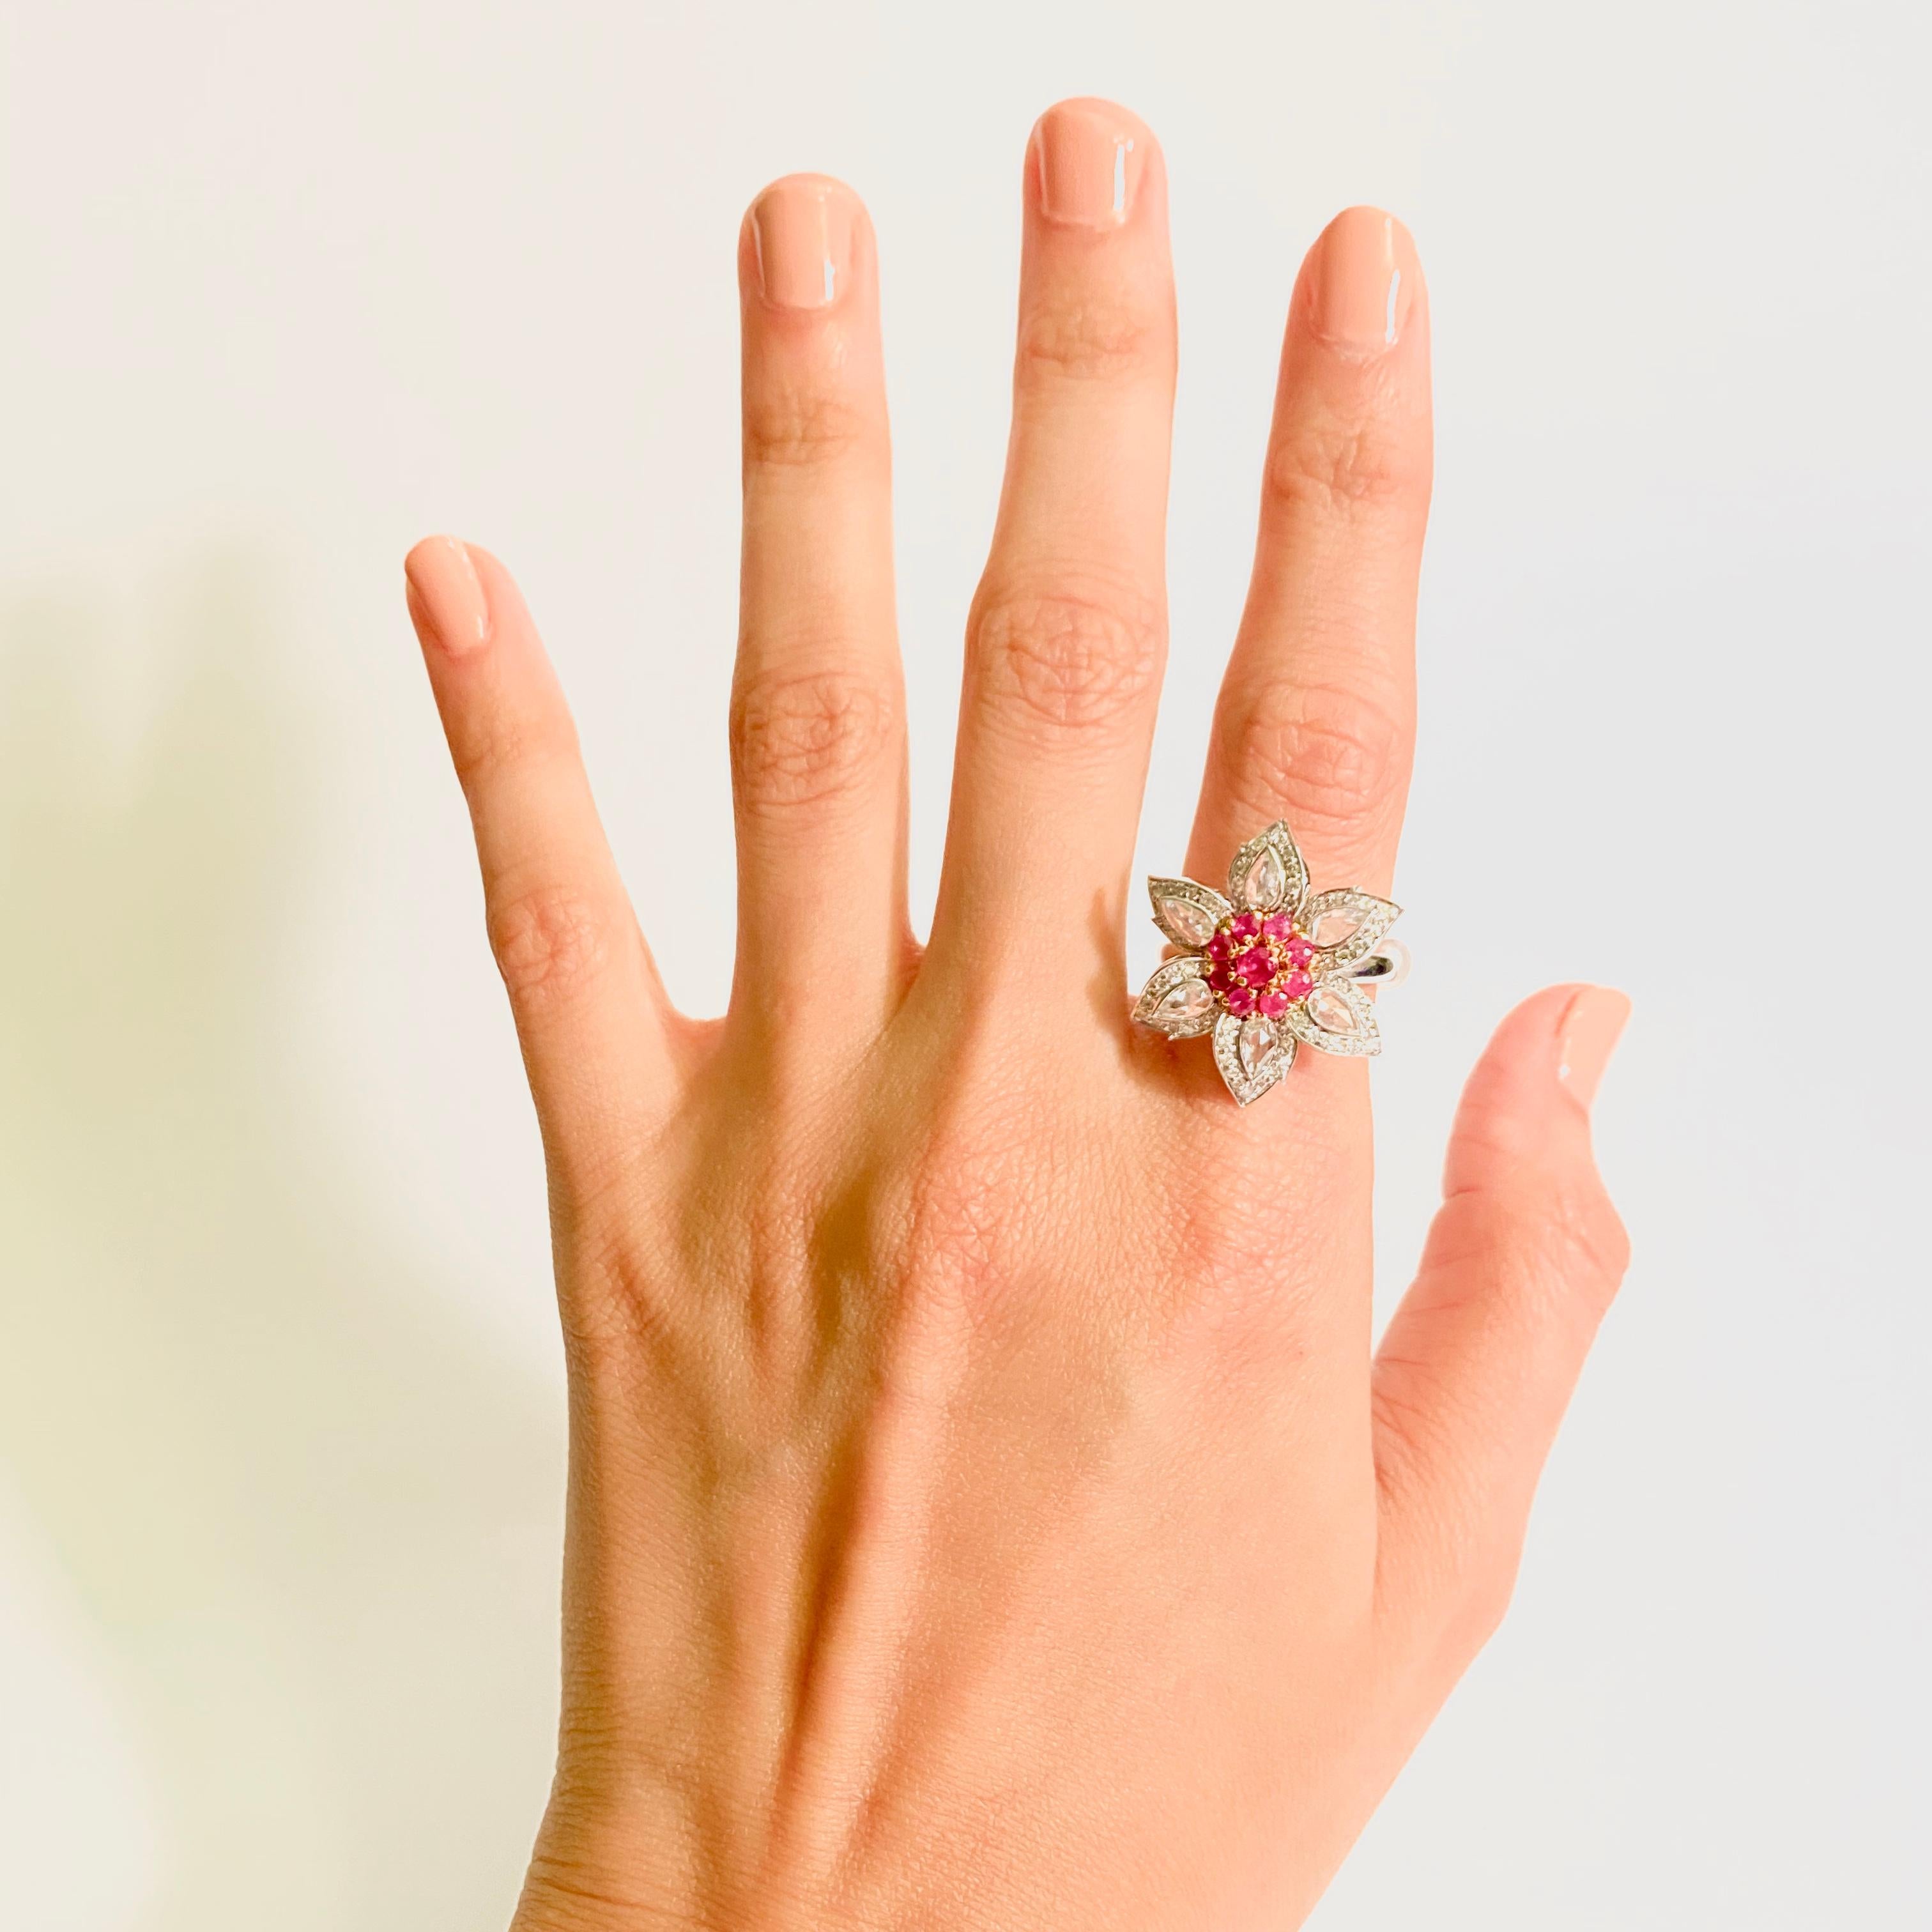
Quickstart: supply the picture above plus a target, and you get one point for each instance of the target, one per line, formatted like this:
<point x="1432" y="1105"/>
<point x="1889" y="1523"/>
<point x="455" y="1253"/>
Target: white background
<point x="281" y="1428"/>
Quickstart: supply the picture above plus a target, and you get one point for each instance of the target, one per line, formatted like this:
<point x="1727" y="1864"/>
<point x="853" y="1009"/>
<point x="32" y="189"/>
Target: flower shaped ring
<point x="1268" y="966"/>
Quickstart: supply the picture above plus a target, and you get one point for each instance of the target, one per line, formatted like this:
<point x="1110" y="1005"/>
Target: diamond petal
<point x="1338" y="1017"/>
<point x="1360" y="918"/>
<point x="1249" y="1082"/>
<point x="1180" y="905"/>
<point x="1268" y="873"/>
<point x="1176" y="1000"/>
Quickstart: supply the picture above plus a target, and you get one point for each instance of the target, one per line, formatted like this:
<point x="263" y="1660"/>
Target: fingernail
<point x="1087" y="157"/>
<point x="1364" y="275"/>
<point x="1591" y="1030"/>
<point x="446" y="596"/>
<point x="802" y="232"/>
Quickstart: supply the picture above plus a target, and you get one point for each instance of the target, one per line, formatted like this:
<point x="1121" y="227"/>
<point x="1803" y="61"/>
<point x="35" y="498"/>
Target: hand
<point x="986" y="1510"/>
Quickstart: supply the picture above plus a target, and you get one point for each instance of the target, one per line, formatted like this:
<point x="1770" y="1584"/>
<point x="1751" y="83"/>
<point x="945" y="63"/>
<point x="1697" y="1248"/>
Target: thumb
<point x="1475" y="1370"/>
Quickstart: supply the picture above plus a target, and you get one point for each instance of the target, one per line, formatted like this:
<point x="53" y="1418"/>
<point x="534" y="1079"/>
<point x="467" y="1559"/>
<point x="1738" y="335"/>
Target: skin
<point x="987" y="1507"/>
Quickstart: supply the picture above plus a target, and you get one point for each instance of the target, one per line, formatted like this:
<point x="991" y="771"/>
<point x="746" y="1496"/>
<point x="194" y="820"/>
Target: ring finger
<point x="1316" y="719"/>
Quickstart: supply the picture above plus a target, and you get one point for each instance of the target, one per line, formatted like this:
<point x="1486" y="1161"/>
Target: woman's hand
<point x="985" y="1509"/>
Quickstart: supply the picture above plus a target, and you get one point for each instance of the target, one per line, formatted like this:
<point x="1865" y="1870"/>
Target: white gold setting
<point x="1264" y="967"/>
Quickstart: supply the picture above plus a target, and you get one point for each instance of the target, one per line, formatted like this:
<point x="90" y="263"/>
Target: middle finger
<point x="1068" y="632"/>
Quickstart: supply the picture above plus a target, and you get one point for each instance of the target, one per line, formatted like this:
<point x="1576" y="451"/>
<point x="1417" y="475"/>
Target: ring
<point x="1266" y="967"/>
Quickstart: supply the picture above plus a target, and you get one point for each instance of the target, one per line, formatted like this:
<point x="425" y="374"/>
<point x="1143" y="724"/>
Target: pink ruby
<point x="1300" y="950"/>
<point x="1240" y="1000"/>
<point x="1257" y="967"/>
<point x="1277" y="928"/>
<point x="1298" y="986"/>
<point x="1274" y="1003"/>
<point x="1220" y="945"/>
<point x="1245" y="925"/>
<point x="1220" y="979"/>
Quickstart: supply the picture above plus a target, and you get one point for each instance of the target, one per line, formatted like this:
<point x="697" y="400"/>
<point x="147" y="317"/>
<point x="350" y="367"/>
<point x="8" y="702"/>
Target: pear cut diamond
<point x="1331" y="927"/>
<point x="1186" y="1006"/>
<point x="1265" y="883"/>
<point x="1258" y="1042"/>
<point x="1192" y="924"/>
<point x="1330" y="1010"/>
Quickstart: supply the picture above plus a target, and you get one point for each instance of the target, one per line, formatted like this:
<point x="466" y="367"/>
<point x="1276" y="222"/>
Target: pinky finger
<point x="1477" y="1367"/>
<point x="589" y="1010"/>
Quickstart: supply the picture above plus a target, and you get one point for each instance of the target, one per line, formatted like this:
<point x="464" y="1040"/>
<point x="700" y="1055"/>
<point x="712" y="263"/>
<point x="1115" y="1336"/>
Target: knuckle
<point x="1349" y="467"/>
<point x="1066" y="664"/>
<point x="620" y="1299"/>
<point x="548" y="942"/>
<point x="1487" y="1591"/>
<point x="497" y="745"/>
<point x="972" y="1260"/>
<point x="1593" y="1248"/>
<point x="960" y="1235"/>
<point x="1084" y="339"/>
<point x="791" y="425"/>
<point x="808" y="738"/>
<point x="1331" y="756"/>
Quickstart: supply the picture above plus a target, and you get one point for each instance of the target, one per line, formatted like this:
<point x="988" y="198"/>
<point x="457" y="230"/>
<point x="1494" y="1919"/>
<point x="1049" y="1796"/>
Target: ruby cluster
<point x="1260" y="964"/>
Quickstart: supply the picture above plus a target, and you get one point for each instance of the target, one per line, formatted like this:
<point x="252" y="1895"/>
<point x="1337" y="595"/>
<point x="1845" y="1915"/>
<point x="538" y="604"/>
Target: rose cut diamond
<point x="1257" y="1041"/>
<point x="1192" y="924"/>
<point x="1265" y="883"/>
<point x="1187" y="1003"/>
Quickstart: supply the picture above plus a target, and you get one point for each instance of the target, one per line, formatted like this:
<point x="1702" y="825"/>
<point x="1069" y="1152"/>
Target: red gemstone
<point x="1256" y="967"/>
<point x="1274" y="1003"/>
<point x="1277" y="928"/>
<point x="1300" y="950"/>
<point x="1298" y="986"/>
<point x="1240" y="1000"/>
<point x="1220" y="945"/>
<point x="1220" y="978"/>
<point x="1245" y="925"/>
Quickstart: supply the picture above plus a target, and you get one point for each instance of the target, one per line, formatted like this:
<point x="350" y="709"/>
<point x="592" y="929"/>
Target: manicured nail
<point x="802" y="230"/>
<point x="446" y="596"/>
<point x="1087" y="158"/>
<point x="1590" y="1032"/>
<point x="1363" y="277"/>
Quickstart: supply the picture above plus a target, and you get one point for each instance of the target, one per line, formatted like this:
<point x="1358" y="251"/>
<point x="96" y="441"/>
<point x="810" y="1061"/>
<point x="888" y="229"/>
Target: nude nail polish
<point x="446" y="596"/>
<point x="802" y="230"/>
<point x="1589" y="1034"/>
<point x="1087" y="158"/>
<point x="1364" y="276"/>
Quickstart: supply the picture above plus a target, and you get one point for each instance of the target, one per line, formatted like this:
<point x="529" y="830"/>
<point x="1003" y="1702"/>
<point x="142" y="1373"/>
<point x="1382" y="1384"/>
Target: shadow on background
<point x="308" y="1516"/>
